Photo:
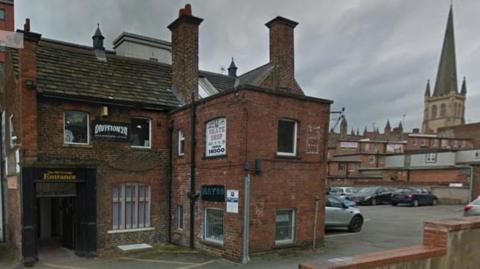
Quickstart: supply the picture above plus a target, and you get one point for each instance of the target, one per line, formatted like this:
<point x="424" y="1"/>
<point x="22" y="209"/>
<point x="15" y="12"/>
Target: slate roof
<point x="256" y="76"/>
<point x="71" y="70"/>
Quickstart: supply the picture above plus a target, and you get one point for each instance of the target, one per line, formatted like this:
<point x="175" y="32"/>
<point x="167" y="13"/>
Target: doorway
<point x="56" y="217"/>
<point x="56" y="222"/>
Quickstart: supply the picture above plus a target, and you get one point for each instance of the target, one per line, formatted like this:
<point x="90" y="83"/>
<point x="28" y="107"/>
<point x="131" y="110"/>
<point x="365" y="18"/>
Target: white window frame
<point x="149" y="133"/>
<point x="181" y="138"/>
<point x="431" y="158"/>
<point x="134" y="226"/>
<point x="88" y="128"/>
<point x="17" y="161"/>
<point x="295" y="131"/>
<point x="180" y="223"/>
<point x="220" y="242"/>
<point x="11" y="131"/>
<point x="286" y="241"/>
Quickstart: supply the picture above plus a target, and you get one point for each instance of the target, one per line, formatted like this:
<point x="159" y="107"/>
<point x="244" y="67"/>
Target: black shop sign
<point x="113" y="131"/>
<point x="213" y="193"/>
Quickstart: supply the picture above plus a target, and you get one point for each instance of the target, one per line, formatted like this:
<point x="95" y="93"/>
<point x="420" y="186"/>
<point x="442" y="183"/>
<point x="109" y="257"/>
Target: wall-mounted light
<point x="104" y="111"/>
<point x="30" y="84"/>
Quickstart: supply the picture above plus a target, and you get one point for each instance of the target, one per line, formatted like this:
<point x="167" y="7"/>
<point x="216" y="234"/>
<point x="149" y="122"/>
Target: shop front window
<point x="284" y="226"/>
<point x="131" y="206"/>
<point x="76" y="127"/>
<point x="213" y="230"/>
<point x="141" y="132"/>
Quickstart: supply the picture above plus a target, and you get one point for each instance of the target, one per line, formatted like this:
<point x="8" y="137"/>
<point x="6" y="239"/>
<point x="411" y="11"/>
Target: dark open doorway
<point x="56" y="222"/>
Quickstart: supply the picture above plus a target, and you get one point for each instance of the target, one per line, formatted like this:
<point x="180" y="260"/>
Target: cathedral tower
<point x="446" y="106"/>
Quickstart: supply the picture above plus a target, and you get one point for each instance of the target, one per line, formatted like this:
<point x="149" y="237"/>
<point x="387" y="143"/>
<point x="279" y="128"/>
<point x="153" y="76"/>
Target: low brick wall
<point x="451" y="243"/>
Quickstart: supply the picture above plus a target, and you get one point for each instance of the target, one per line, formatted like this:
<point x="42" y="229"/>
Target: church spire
<point x="427" y="90"/>
<point x="447" y="69"/>
<point x="464" y="87"/>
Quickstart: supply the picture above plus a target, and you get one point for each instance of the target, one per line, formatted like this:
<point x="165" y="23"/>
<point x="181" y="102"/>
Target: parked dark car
<point x="414" y="197"/>
<point x="373" y="196"/>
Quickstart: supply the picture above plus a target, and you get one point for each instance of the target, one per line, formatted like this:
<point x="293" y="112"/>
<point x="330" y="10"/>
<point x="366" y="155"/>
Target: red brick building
<point x="126" y="150"/>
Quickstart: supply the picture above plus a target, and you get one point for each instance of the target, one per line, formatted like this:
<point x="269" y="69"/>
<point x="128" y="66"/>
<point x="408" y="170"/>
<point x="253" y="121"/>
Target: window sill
<point x="214" y="244"/>
<point x="285" y="244"/>
<point x="214" y="157"/>
<point x="291" y="157"/>
<point x="140" y="148"/>
<point x="131" y="230"/>
<point x="88" y="146"/>
<point x="178" y="231"/>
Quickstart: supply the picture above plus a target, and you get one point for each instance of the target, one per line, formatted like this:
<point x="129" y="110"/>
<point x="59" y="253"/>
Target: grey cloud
<point x="371" y="56"/>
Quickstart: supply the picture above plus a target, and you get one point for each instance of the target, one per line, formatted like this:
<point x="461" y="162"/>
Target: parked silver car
<point x="473" y="208"/>
<point x="338" y="214"/>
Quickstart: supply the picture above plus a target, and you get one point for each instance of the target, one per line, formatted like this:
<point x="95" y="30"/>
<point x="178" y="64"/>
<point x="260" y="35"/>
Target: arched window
<point x="443" y="110"/>
<point x="434" y="112"/>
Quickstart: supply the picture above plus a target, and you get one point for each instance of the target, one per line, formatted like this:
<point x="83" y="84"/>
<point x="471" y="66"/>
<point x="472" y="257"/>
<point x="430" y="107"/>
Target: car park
<point x="472" y="209"/>
<point x="339" y="214"/>
<point x="414" y="197"/>
<point x="373" y="195"/>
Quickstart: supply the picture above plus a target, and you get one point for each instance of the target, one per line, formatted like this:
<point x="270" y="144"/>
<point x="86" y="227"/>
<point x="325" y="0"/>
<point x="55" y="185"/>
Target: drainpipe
<point x="246" y="218"/>
<point x="170" y="178"/>
<point x="2" y="175"/>
<point x="192" y="195"/>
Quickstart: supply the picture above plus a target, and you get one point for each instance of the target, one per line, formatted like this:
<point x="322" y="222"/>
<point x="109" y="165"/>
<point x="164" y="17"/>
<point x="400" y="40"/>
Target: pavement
<point x="385" y="227"/>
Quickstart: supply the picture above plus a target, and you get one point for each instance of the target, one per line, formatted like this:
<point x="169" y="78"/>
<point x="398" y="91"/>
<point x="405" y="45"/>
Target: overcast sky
<point x="372" y="57"/>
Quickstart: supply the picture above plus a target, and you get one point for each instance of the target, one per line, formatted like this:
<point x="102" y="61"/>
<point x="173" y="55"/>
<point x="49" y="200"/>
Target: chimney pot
<point x="26" y="26"/>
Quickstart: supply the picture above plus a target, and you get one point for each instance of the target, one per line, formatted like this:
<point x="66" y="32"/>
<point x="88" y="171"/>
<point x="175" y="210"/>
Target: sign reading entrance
<point x="213" y="193"/>
<point x="59" y="175"/>
<point x="216" y="137"/>
<point x="110" y="131"/>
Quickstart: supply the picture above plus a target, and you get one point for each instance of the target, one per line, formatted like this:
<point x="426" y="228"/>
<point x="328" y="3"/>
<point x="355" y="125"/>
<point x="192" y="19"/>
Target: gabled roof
<point x="256" y="76"/>
<point x="71" y="70"/>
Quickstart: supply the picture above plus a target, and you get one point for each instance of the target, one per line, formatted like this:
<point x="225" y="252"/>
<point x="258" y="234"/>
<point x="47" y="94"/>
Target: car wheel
<point x="374" y="201"/>
<point x="394" y="204"/>
<point x="415" y="203"/>
<point x="355" y="224"/>
<point x="434" y="202"/>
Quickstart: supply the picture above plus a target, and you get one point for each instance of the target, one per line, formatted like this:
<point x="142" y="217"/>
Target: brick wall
<point x="284" y="183"/>
<point x="116" y="162"/>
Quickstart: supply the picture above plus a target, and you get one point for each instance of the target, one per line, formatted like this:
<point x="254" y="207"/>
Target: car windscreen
<point x="404" y="190"/>
<point x="476" y="202"/>
<point x="367" y="191"/>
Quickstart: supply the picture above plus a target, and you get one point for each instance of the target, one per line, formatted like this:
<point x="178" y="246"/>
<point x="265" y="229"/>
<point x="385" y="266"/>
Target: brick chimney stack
<point x="282" y="54"/>
<point x="185" y="53"/>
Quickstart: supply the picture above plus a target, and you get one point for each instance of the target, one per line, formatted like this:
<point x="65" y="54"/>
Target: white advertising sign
<point x="349" y="145"/>
<point x="216" y="144"/>
<point x="232" y="201"/>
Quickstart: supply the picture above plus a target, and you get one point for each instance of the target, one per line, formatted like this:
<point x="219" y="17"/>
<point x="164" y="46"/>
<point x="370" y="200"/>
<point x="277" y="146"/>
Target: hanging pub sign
<point x="110" y="131"/>
<point x="216" y="140"/>
<point x="213" y="193"/>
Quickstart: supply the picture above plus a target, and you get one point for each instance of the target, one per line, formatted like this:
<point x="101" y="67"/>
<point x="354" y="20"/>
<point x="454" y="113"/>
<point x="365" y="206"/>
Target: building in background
<point x="446" y="105"/>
